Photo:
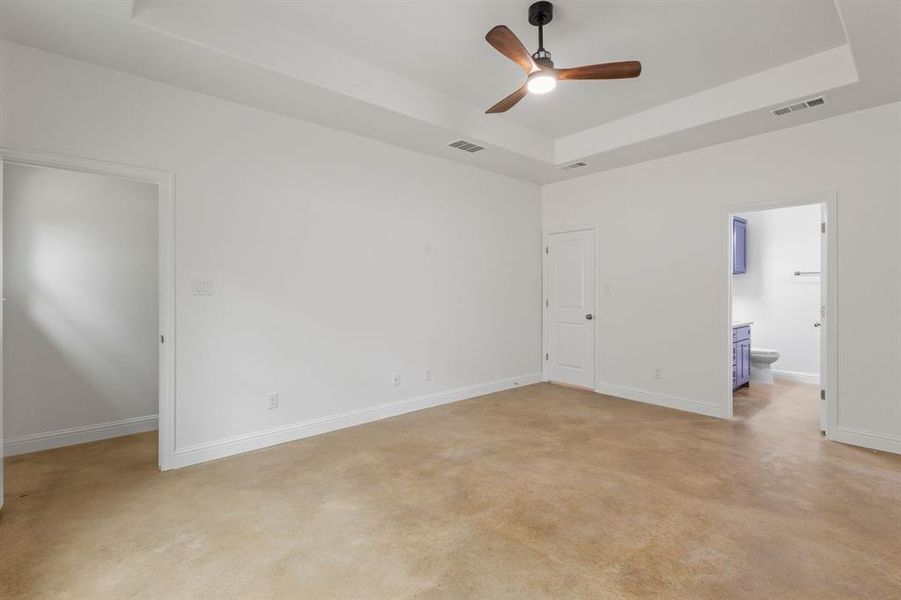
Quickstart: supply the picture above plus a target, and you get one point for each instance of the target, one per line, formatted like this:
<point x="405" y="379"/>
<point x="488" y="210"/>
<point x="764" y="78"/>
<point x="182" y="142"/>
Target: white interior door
<point x="823" y="321"/>
<point x="569" y="307"/>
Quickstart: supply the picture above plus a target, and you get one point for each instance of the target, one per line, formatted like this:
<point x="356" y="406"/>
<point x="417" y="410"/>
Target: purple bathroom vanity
<point x="741" y="355"/>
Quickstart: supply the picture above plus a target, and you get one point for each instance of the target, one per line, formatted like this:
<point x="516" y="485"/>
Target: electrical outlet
<point x="658" y="373"/>
<point x="427" y="376"/>
<point x="395" y="379"/>
<point x="273" y="400"/>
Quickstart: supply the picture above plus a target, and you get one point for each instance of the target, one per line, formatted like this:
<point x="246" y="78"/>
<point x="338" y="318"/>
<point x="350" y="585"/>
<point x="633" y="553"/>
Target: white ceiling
<point x="684" y="47"/>
<point x="419" y="74"/>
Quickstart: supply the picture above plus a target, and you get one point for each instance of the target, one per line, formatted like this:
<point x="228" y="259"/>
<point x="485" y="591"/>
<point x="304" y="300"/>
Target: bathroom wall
<point x="783" y="307"/>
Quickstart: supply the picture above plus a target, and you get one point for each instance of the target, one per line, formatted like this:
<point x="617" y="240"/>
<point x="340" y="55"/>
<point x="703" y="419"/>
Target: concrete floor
<point x="542" y="491"/>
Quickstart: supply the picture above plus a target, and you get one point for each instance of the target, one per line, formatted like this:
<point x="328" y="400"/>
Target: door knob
<point x="589" y="316"/>
<point x="817" y="324"/>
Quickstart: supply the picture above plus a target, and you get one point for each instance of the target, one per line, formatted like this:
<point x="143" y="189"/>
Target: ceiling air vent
<point x="784" y="110"/>
<point x="466" y="146"/>
<point x="574" y="165"/>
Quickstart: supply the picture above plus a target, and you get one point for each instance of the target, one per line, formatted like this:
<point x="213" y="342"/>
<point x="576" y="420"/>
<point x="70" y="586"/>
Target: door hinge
<point x="162" y="339"/>
<point x="545" y="356"/>
<point x="546" y="304"/>
<point x="546" y="250"/>
<point x="822" y="227"/>
<point x="822" y="394"/>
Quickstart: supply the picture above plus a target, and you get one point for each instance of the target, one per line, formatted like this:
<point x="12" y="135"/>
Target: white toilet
<point x="761" y="359"/>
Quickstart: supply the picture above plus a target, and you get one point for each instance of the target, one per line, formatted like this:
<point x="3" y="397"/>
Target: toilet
<point x="761" y="359"/>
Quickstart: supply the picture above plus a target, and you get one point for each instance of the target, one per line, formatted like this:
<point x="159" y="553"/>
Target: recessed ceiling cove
<point x="684" y="46"/>
<point x="417" y="74"/>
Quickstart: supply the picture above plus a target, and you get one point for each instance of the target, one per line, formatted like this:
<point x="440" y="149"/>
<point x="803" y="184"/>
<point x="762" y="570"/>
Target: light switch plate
<point x="202" y="287"/>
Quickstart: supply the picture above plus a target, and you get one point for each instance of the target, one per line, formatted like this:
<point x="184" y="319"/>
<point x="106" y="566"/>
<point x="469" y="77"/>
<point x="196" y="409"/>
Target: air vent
<point x="574" y="165"/>
<point x="466" y="146"/>
<point x="819" y="101"/>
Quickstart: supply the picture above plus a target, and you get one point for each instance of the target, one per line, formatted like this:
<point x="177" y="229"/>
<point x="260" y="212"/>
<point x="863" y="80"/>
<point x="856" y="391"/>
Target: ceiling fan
<point x="541" y="75"/>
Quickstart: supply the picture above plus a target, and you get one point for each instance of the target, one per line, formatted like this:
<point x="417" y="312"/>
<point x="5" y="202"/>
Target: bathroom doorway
<point x="781" y="321"/>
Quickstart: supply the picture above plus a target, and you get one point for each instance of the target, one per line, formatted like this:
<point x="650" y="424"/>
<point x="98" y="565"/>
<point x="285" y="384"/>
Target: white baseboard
<point x="659" y="399"/>
<point x="77" y="435"/>
<point x="868" y="439"/>
<point x="797" y="376"/>
<point x="192" y="455"/>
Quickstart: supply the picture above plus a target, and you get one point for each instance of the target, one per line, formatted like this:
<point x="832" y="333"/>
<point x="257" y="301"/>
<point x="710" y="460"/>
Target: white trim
<point x="238" y="444"/>
<point x="667" y="400"/>
<point x="829" y="280"/>
<point x="796" y="376"/>
<point x="165" y="183"/>
<point x="868" y="439"/>
<point x="77" y="435"/>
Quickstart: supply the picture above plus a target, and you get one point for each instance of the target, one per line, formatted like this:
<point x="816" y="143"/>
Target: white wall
<point x="782" y="306"/>
<point x="80" y="317"/>
<point x="663" y="250"/>
<point x="316" y="242"/>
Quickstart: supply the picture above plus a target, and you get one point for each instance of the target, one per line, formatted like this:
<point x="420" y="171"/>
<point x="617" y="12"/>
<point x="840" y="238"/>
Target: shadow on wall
<point x="80" y="320"/>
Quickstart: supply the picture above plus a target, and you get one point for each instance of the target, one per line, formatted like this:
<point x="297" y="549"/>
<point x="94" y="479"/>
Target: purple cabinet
<point x="741" y="356"/>
<point x="739" y="245"/>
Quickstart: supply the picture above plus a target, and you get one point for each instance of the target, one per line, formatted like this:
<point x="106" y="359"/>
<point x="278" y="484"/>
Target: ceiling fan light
<point x="541" y="83"/>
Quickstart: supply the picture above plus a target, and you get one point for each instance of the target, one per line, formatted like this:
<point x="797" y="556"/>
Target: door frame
<point x="544" y="298"/>
<point x="829" y="279"/>
<point x="165" y="182"/>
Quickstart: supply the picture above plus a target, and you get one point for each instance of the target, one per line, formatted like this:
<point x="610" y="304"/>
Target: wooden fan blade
<point x="614" y="70"/>
<point x="506" y="42"/>
<point x="508" y="102"/>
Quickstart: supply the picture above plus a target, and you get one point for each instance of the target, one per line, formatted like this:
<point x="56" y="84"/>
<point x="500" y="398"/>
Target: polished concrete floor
<point x="542" y="491"/>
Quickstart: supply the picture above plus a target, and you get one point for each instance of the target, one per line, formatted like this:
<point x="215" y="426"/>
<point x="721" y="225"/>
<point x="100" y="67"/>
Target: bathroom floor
<point x="783" y="408"/>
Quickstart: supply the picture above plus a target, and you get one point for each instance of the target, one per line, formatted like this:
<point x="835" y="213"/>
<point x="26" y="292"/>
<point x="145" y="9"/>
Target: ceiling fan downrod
<point x="540" y="14"/>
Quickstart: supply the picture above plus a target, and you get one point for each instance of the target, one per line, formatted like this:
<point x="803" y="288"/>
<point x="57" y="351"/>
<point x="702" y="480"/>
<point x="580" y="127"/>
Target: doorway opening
<point x="781" y="315"/>
<point x="88" y="302"/>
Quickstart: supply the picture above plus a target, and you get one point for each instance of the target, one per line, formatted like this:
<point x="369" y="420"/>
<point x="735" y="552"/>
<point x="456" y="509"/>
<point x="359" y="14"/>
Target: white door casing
<point x="570" y="307"/>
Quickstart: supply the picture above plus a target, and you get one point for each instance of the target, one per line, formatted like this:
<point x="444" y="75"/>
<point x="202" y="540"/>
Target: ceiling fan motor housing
<point x="542" y="58"/>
